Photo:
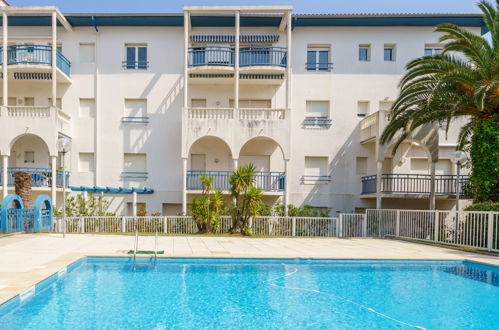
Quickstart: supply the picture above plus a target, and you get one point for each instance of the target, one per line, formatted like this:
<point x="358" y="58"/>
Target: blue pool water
<point x="109" y="293"/>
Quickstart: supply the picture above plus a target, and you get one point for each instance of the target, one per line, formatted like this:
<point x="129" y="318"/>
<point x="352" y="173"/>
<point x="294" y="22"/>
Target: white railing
<point x="64" y="122"/>
<point x="372" y="124"/>
<point x="210" y="113"/>
<point x="478" y="230"/>
<point x="262" y="226"/>
<point x="261" y="113"/>
<point x="369" y="127"/>
<point x="471" y="229"/>
<point x="28" y="111"/>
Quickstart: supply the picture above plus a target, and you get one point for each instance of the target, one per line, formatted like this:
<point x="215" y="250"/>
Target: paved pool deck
<point x="27" y="259"/>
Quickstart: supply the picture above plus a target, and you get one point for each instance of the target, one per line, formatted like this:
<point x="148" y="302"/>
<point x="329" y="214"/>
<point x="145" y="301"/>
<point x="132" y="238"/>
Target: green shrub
<point x="485" y="206"/>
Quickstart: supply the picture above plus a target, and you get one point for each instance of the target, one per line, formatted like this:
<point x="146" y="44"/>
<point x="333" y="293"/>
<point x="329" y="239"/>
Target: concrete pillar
<point x="97" y="112"/>
<point x="288" y="67"/>
<point x="5" y="81"/>
<point x="5" y="177"/>
<point x="236" y="66"/>
<point x="54" y="59"/>
<point x="186" y="59"/>
<point x="134" y="203"/>
<point x="286" y="186"/>
<point x="53" y="188"/>
<point x="184" y="186"/>
<point x="379" y="169"/>
<point x="235" y="163"/>
<point x="432" y="185"/>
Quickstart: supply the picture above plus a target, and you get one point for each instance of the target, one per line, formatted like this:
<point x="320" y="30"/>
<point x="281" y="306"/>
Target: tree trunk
<point x="23" y="188"/>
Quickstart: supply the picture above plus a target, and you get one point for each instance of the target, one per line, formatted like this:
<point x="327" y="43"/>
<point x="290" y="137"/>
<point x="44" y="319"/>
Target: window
<point x="430" y="50"/>
<point x="317" y="114"/>
<point x="419" y="166"/>
<point x="361" y="165"/>
<point x="364" y="53"/>
<point x="318" y="59"/>
<point x="362" y="109"/>
<point x="29" y="156"/>
<point x="11" y="101"/>
<point x="135" y="111"/>
<point x="316" y="170"/>
<point x="389" y="53"/>
<point x="135" y="166"/>
<point x="198" y="103"/>
<point x="86" y="162"/>
<point x="87" y="52"/>
<point x="136" y="57"/>
<point x="29" y="101"/>
<point x="87" y="108"/>
<point x="58" y="102"/>
<point x="385" y="105"/>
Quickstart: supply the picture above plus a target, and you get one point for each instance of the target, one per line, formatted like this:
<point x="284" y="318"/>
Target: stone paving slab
<point x="27" y="259"/>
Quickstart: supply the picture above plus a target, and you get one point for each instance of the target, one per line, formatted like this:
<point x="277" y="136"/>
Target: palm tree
<point x="460" y="82"/>
<point x="207" y="208"/>
<point x="244" y="196"/>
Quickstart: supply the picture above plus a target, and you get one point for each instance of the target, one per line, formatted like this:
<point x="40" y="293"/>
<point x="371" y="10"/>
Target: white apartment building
<point x="153" y="101"/>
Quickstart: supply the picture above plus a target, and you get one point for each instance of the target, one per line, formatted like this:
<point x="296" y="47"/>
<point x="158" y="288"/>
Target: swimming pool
<point x="112" y="293"/>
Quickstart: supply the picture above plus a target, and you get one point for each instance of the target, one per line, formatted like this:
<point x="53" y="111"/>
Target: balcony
<point x="197" y="113"/>
<point x="38" y="118"/>
<point x="266" y="181"/>
<point x="373" y="125"/>
<point x="258" y="59"/>
<point x="40" y="177"/>
<point x="36" y="59"/>
<point x="415" y="184"/>
<point x="251" y="57"/>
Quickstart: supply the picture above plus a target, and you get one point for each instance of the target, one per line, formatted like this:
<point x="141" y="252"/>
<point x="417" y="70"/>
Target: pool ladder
<point x="136" y="245"/>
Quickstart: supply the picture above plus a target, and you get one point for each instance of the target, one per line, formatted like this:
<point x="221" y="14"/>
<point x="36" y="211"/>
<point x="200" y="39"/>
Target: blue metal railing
<point x="135" y="120"/>
<point x="35" y="54"/>
<point x="267" y="181"/>
<point x="18" y="220"/>
<point x="319" y="66"/>
<point x="312" y="179"/>
<point x="211" y="55"/>
<point x="40" y="177"/>
<point x="415" y="184"/>
<point x="262" y="55"/>
<point x="248" y="56"/>
<point x="134" y="65"/>
<point x="317" y="122"/>
<point x="134" y="175"/>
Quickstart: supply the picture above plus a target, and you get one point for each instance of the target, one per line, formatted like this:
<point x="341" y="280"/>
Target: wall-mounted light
<point x="217" y="160"/>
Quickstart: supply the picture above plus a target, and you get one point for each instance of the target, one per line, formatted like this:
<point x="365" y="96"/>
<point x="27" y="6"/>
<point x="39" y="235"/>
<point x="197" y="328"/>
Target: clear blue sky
<point x="300" y="6"/>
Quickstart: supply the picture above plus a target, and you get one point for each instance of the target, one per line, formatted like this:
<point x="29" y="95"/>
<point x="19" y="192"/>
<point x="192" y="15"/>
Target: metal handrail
<point x="35" y="54"/>
<point x="413" y="183"/>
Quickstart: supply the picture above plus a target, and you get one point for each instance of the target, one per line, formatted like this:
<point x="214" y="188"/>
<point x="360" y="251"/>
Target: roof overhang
<point x="36" y="11"/>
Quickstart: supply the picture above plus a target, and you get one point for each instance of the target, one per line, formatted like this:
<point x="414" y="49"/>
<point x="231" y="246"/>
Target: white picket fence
<point x="479" y="230"/>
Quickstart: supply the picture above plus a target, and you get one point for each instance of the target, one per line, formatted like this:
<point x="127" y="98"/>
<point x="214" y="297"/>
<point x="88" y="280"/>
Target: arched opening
<point x="209" y="156"/>
<point x="43" y="214"/>
<point x="268" y="158"/>
<point x="29" y="150"/>
<point x="210" y="153"/>
<point x="263" y="152"/>
<point x="411" y="157"/>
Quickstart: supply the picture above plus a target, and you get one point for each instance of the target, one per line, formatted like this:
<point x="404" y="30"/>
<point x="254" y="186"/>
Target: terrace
<point x="414" y="184"/>
<point x="265" y="180"/>
<point x="35" y="62"/>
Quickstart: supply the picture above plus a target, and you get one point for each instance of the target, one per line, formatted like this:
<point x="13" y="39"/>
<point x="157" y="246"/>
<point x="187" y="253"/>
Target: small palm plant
<point x="247" y="199"/>
<point x="461" y="82"/>
<point x="207" y="208"/>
